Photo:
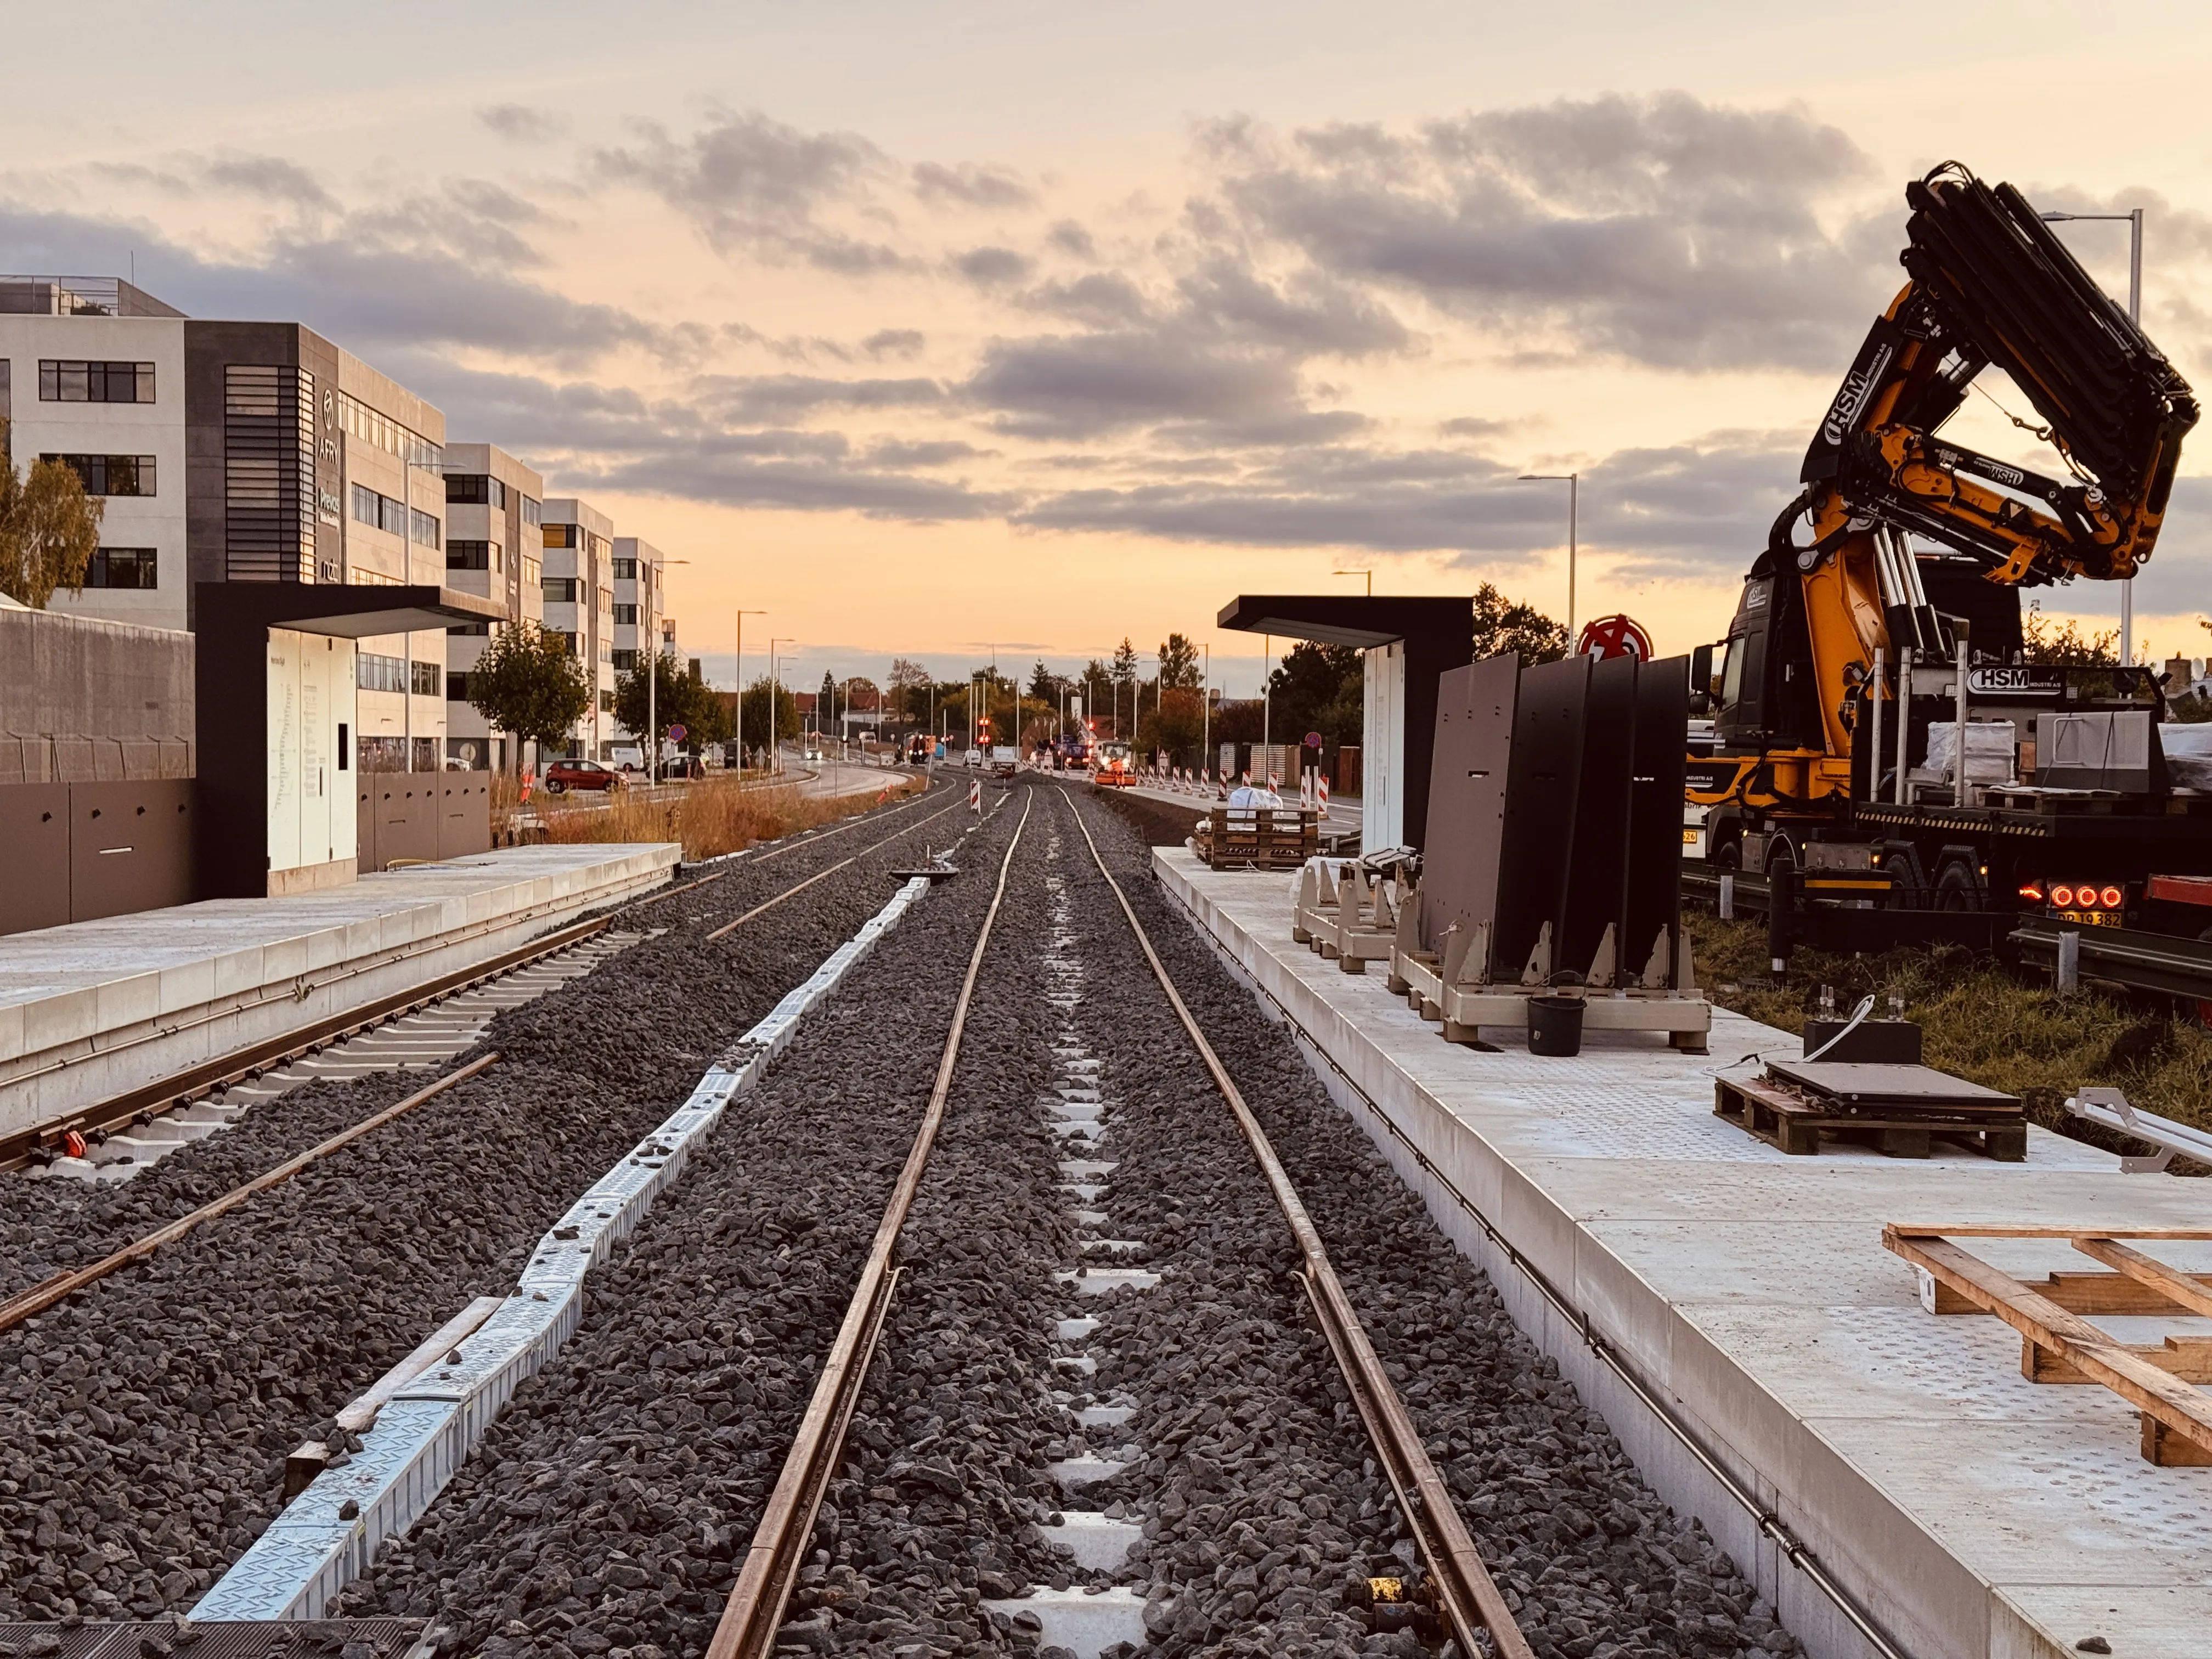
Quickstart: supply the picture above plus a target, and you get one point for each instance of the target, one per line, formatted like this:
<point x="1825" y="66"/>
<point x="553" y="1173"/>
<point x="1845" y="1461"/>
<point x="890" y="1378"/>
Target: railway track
<point x="340" y="1230"/>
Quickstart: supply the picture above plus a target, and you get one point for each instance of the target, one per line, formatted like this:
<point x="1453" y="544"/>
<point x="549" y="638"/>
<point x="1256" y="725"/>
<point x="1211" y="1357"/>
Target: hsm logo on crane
<point x="1852" y="397"/>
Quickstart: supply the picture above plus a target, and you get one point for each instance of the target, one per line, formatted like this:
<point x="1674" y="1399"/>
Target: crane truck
<point x="1880" y="739"/>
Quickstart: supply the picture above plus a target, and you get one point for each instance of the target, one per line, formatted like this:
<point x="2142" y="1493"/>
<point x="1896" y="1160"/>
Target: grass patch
<point x="1979" y="1022"/>
<point x="711" y="816"/>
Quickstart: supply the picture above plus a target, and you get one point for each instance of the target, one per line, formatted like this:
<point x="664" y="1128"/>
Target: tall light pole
<point x="1370" y="574"/>
<point x="1574" y="483"/>
<point x="2134" y="221"/>
<point x="1206" y="710"/>
<point x="737" y="677"/>
<point x="775" y="750"/>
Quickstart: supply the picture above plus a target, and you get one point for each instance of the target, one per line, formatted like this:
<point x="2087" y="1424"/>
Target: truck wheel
<point x="1959" y="888"/>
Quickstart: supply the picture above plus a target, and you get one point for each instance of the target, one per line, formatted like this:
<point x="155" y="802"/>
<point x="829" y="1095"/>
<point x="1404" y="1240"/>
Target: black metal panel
<point x="1548" y="723"/>
<point x="131" y="846"/>
<point x="1468" y="776"/>
<point x="34" y="851"/>
<point x="1597" y="870"/>
<point x="463" y="813"/>
<point x="1653" y="897"/>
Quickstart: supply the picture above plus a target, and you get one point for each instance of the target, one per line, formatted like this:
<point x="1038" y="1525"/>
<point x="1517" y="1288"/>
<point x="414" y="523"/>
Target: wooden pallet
<point x="2059" y="1346"/>
<point x="1796" y="1123"/>
<point x="1261" y="838"/>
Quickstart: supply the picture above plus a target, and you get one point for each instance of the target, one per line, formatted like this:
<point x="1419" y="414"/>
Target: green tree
<point x="49" y="529"/>
<point x="679" y="698"/>
<point x="2051" y="644"/>
<point x="1318" y="688"/>
<point x="1178" y="725"/>
<point x="1124" y="671"/>
<point x="1501" y="624"/>
<point x="530" y="683"/>
<point x="786" y="711"/>
<point x="1179" y="663"/>
<point x="908" y="700"/>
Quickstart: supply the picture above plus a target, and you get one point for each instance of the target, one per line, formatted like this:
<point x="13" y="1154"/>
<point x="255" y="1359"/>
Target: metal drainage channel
<point x="1769" y="1525"/>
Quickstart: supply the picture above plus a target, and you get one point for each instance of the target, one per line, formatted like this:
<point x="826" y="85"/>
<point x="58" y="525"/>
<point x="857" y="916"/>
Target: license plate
<point x="1690" y="837"/>
<point x="2090" y="918"/>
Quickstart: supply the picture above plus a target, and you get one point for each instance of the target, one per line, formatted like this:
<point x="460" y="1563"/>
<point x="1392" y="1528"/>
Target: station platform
<point x="1973" y="1514"/>
<point x="95" y="1008"/>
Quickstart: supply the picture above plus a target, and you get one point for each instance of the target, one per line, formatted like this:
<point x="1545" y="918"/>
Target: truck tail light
<point x="2110" y="898"/>
<point x="2031" y="891"/>
<point x="2062" y="897"/>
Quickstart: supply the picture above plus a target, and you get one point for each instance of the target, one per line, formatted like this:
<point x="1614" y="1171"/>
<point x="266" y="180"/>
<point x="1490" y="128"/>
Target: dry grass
<point x="1979" y="1022"/>
<point x="711" y="816"/>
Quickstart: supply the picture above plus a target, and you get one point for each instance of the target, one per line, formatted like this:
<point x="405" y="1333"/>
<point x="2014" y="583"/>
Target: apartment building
<point x="495" y="546"/>
<point x="638" y="611"/>
<point x="579" y="588"/>
<point x="234" y="452"/>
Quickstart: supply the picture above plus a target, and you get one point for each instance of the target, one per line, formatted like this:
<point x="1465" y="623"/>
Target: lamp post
<point x="2134" y="221"/>
<point x="738" y="677"/>
<point x="1574" y="483"/>
<point x="1206" y="710"/>
<point x="775" y="750"/>
<point x="1370" y="574"/>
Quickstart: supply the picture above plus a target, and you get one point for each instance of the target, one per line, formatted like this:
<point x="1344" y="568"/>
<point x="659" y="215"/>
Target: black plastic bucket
<point x="1555" y="1026"/>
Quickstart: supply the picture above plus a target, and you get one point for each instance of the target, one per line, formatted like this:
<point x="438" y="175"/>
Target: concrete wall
<point x="84" y="701"/>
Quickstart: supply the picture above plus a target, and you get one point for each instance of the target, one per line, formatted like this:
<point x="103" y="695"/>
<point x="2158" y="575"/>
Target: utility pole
<point x="1574" y="483"/>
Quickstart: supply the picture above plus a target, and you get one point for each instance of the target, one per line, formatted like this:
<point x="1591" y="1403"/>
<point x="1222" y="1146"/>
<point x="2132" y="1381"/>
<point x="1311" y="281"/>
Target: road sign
<point x="676" y="734"/>
<point x="1614" y="636"/>
<point x="1313" y="739"/>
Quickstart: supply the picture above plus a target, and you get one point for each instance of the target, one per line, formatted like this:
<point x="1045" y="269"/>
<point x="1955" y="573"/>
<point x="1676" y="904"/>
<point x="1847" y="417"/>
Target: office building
<point x="495" y="546"/>
<point x="234" y="452"/>
<point x="577" y="584"/>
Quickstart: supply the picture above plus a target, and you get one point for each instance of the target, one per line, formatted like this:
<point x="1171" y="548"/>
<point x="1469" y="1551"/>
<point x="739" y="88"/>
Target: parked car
<point x="562" y="775"/>
<point x="627" y="757"/>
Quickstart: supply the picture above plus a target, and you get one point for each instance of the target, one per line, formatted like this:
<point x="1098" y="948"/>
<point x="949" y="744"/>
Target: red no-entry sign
<point x="1614" y="636"/>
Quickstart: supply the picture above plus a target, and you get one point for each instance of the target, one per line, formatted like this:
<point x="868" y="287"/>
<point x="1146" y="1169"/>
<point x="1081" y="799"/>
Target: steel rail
<point x="1769" y="1523"/>
<point x="822" y="875"/>
<point x="28" y="1304"/>
<point x="755" y="1610"/>
<point x="243" y="1065"/>
<point x="1470" y="1598"/>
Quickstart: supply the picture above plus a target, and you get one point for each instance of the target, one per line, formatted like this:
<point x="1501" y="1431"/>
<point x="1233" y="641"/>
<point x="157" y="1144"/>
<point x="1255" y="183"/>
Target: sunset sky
<point x="929" y="327"/>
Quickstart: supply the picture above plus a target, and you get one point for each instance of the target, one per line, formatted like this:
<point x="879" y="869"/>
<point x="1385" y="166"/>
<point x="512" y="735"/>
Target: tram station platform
<point x="93" y="1009"/>
<point x="1973" y="1514"/>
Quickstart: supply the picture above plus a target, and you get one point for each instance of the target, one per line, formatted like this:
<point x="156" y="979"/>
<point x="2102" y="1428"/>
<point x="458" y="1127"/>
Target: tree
<point x="909" y="687"/>
<point x="1178" y="725"/>
<point x="1179" y="663"/>
<point x="1503" y="625"/>
<point x="1045" y="685"/>
<point x="49" y="529"/>
<point x="679" y="698"/>
<point x="756" y="711"/>
<point x="2048" y="643"/>
<point x="1318" y="688"/>
<point x="1124" y="671"/>
<point x="529" y="682"/>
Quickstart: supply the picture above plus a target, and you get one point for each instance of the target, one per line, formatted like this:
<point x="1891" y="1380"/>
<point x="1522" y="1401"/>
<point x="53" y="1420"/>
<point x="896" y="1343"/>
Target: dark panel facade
<point x="131" y="846"/>
<point x="1548" y="725"/>
<point x="1467" y="775"/>
<point x="34" y="844"/>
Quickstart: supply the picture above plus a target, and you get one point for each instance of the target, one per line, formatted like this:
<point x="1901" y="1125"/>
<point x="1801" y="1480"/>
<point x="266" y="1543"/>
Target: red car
<point x="562" y="775"/>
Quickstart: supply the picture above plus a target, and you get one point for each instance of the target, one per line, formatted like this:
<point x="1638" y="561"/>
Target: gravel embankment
<point x="143" y="1425"/>
<point x="606" y="1508"/>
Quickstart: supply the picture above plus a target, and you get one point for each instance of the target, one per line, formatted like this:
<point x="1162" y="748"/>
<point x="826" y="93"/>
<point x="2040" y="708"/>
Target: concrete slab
<point x="95" y="1008"/>
<point x="1078" y="1621"/>
<point x="1974" y="1513"/>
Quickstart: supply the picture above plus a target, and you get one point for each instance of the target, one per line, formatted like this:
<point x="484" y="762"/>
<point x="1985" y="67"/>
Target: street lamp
<point x="1370" y="574"/>
<point x="1574" y="483"/>
<point x="774" y="739"/>
<point x="2134" y="221"/>
<point x="737" y="677"/>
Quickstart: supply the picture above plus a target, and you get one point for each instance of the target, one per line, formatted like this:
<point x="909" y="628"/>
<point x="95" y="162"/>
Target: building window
<point x="625" y="661"/>
<point x="68" y="380"/>
<point x="562" y="535"/>
<point x="360" y="422"/>
<point x="123" y="567"/>
<point x="474" y="489"/>
<point x="362" y="576"/>
<point x="481" y="629"/>
<point x="607" y="704"/>
<point x="533" y="570"/>
<point x="561" y="590"/>
<point x="375" y="673"/>
<point x="373" y="507"/>
<point x="606" y="601"/>
<point x="110" y="475"/>
<point x="426" y="679"/>
<point x="427" y="530"/>
<point x="457" y="688"/>
<point x="627" y="613"/>
<point x="533" y="512"/>
<point x="472" y="555"/>
<point x="625" y="571"/>
<point x="572" y="641"/>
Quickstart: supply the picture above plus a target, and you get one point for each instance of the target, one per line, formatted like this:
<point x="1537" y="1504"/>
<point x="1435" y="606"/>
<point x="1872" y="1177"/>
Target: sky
<point x="963" y="330"/>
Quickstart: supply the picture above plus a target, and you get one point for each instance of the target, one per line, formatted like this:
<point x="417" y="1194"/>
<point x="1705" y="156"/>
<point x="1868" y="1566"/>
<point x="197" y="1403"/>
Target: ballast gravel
<point x="607" y="1508"/>
<point x="144" y="1424"/>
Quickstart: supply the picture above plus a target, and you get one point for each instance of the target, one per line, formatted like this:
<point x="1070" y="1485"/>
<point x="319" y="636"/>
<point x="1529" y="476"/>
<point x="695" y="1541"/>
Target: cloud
<point x="893" y="342"/>
<point x="1087" y="385"/>
<point x="521" y="122"/>
<point x="970" y="186"/>
<point x="1664" y="230"/>
<point x="1101" y="299"/>
<point x="757" y="186"/>
<point x="1476" y="426"/>
<point x="270" y="177"/>
<point x="792" y="397"/>
<point x="992" y="267"/>
<point x="927" y="453"/>
<point x="1069" y="237"/>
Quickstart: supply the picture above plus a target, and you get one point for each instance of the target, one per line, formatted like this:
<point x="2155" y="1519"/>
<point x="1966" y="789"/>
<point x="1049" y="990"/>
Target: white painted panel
<point x="318" y="746"/>
<point x="344" y="711"/>
<point x="1382" y="749"/>
<point x="283" y="800"/>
